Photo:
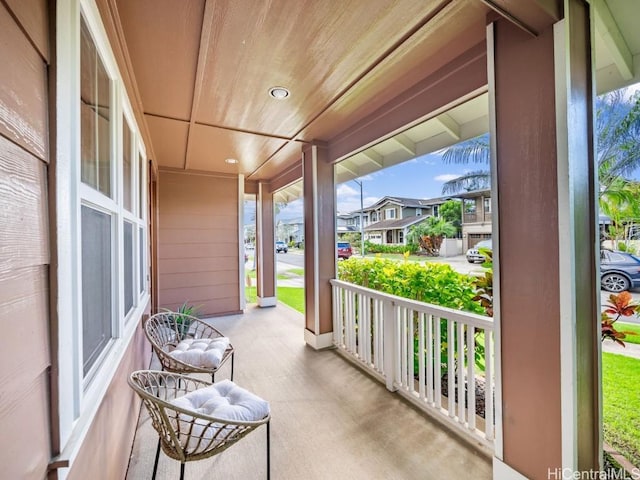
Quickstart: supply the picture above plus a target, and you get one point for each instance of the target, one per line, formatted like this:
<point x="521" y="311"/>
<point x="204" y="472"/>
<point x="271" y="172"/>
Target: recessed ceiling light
<point x="231" y="160"/>
<point x="279" y="92"/>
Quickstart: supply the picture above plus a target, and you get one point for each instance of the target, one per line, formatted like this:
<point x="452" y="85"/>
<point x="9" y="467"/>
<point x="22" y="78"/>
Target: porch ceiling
<point x="203" y="69"/>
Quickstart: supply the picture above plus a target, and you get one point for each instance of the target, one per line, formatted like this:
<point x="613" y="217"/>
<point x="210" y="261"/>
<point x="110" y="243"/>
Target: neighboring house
<point x="476" y="217"/>
<point x="392" y="217"/>
<point x="350" y="222"/>
<point x="291" y="230"/>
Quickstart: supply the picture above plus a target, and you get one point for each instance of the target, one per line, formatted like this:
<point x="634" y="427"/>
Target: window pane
<point x="97" y="313"/>
<point x="126" y="166"/>
<point x="95" y="106"/>
<point x="128" y="267"/>
<point x="141" y="255"/>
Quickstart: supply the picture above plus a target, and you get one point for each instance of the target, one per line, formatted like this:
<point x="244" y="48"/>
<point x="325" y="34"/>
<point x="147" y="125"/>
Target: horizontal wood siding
<point x="106" y="449"/>
<point x="25" y="357"/>
<point x="23" y="89"/>
<point x="24" y="241"/>
<point x="198" y="242"/>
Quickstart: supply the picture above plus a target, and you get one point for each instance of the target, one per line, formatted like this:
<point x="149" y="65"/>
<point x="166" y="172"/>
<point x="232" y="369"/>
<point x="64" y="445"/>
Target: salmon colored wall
<point x="24" y="241"/>
<point x="106" y="449"/>
<point x="198" y="242"/>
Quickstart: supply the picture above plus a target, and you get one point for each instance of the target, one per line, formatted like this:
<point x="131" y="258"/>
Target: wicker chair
<point x="165" y="330"/>
<point x="185" y="434"/>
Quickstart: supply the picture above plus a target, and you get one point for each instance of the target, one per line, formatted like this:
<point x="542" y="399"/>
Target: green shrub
<point x="435" y="283"/>
<point x="380" y="248"/>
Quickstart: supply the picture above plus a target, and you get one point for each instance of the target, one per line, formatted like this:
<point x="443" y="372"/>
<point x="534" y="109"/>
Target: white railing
<point x="405" y="344"/>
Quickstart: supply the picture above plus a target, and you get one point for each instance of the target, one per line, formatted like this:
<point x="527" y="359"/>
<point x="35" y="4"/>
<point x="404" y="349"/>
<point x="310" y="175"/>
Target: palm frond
<point x="474" y="150"/>
<point x="477" y="180"/>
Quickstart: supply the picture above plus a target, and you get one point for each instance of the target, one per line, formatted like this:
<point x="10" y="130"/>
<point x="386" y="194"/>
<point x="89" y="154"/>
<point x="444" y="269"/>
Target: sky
<point x="421" y="177"/>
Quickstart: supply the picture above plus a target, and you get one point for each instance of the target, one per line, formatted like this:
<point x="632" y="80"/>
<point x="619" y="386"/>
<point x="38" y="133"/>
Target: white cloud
<point x="446" y="177"/>
<point x="345" y="190"/>
<point x="351" y="204"/>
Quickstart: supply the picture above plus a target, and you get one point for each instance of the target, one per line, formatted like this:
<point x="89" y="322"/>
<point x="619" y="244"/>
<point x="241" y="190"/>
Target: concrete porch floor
<point x="330" y="421"/>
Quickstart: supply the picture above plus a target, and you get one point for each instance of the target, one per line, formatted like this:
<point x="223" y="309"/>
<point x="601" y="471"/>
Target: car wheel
<point x="614" y="282"/>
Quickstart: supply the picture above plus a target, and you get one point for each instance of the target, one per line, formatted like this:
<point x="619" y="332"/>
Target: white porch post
<point x="265" y="248"/>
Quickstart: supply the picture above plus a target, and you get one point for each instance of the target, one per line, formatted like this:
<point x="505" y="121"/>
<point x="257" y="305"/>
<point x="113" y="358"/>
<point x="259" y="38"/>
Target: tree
<point x="451" y="211"/>
<point x="429" y="234"/>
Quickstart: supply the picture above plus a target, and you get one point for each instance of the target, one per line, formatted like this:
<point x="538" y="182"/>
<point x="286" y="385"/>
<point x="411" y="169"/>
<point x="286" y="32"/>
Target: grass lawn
<point x="621" y="404"/>
<point x="292" y="296"/>
<point x="629" y="327"/>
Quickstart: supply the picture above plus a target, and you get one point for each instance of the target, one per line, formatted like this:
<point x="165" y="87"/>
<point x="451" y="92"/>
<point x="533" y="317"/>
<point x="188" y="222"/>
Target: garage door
<point x="474" y="238"/>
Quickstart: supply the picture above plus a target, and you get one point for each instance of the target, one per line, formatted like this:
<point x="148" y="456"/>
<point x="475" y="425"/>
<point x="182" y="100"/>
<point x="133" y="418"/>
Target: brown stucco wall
<point x="198" y="242"/>
<point x="24" y="241"/>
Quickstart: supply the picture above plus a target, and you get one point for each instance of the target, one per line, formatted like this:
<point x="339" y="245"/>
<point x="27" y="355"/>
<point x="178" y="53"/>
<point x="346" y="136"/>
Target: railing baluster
<point x="360" y="321"/>
<point x="404" y="350"/>
<point x="390" y="345"/>
<point x="451" y="373"/>
<point x="411" y="351"/>
<point x="429" y="353"/>
<point x="421" y="348"/>
<point x="471" y="377"/>
<point x="488" y="384"/>
<point x="376" y="334"/>
<point x="437" y="361"/>
<point x="460" y="357"/>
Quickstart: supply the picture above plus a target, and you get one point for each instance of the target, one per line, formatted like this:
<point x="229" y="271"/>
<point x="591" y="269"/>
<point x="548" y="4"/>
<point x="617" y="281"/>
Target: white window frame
<point x="389" y="211"/>
<point x="79" y="395"/>
<point x="486" y="203"/>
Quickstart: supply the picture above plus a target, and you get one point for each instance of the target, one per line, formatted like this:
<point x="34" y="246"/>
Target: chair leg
<point x="268" y="450"/>
<point x="155" y="464"/>
<point x="213" y="377"/>
<point x="181" y="470"/>
<point x="232" y="357"/>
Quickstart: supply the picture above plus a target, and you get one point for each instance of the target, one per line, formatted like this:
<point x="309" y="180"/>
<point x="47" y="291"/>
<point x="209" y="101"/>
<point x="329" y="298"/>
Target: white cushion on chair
<point x="225" y="400"/>
<point x="201" y="352"/>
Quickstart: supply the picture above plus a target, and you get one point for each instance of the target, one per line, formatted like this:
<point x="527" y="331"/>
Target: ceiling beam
<point x="349" y="168"/>
<point x="205" y="34"/>
<point x="607" y="27"/>
<point x="405" y="143"/>
<point x="373" y="157"/>
<point x="450" y="125"/>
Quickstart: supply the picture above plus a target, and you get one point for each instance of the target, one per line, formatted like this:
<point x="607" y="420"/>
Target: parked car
<point x="474" y="255"/>
<point x="344" y="250"/>
<point x="619" y="271"/>
<point x="281" y="247"/>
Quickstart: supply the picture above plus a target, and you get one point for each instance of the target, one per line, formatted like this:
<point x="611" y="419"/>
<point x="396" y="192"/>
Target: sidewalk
<point x="631" y="349"/>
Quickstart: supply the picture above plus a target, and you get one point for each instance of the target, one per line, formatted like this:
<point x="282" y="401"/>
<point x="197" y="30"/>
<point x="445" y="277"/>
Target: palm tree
<point x="428" y="235"/>
<point x="618" y="149"/>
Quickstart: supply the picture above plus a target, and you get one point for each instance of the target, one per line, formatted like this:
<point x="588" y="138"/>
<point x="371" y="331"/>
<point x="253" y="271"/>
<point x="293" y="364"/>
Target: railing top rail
<point x="468" y="318"/>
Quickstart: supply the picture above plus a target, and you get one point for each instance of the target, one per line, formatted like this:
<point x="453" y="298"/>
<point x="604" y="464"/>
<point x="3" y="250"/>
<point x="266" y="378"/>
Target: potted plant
<point x="180" y="320"/>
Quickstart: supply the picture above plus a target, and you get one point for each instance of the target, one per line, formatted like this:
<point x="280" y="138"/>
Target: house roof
<point x="394" y="224"/>
<point x="474" y="194"/>
<point x="406" y="202"/>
